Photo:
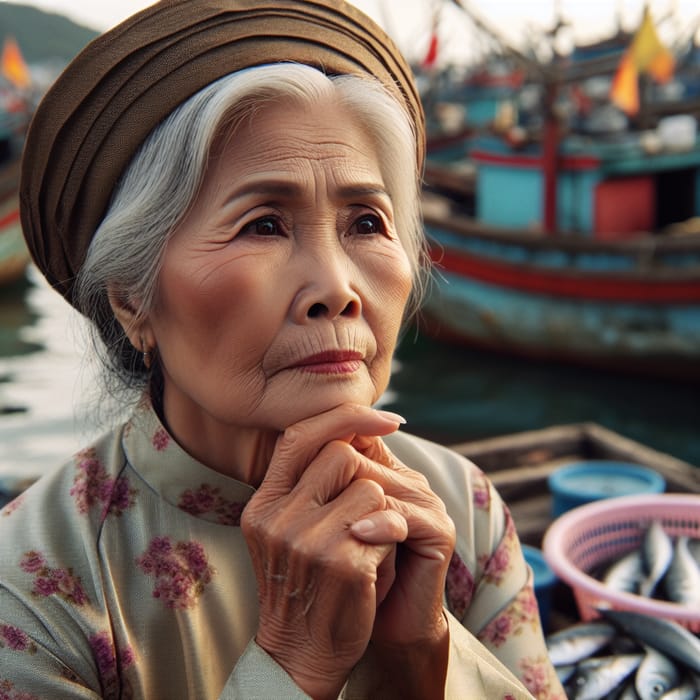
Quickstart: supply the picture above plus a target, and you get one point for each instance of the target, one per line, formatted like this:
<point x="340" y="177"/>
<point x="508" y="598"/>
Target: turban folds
<point x="125" y="82"/>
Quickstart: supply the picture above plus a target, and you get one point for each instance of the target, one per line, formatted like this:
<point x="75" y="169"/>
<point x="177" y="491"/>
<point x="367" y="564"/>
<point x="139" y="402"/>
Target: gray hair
<point x="162" y="181"/>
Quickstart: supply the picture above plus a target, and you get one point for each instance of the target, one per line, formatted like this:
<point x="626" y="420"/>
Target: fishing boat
<point x="562" y="240"/>
<point x="14" y="255"/>
<point x="519" y="465"/>
<point x="15" y="112"/>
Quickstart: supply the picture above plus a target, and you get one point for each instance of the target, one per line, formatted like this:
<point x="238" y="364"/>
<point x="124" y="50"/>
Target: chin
<point x="320" y="402"/>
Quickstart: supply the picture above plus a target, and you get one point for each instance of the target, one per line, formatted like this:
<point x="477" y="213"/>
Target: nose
<point x="329" y="289"/>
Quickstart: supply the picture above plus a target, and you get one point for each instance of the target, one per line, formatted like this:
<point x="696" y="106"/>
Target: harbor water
<point x="446" y="393"/>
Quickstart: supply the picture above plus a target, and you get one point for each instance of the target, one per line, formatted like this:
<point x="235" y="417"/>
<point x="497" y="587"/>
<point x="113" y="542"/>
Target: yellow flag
<point x="624" y="91"/>
<point x="649" y="53"/>
<point x="13" y="66"/>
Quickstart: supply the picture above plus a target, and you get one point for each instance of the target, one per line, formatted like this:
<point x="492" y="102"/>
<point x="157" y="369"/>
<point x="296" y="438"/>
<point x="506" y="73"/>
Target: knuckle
<point x="263" y="524"/>
<point x="340" y="456"/>
<point x="371" y="493"/>
<point x="293" y="435"/>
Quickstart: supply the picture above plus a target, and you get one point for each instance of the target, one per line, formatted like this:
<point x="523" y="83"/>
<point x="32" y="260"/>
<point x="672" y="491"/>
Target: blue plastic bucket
<point x="583" y="482"/>
<point x="544" y="579"/>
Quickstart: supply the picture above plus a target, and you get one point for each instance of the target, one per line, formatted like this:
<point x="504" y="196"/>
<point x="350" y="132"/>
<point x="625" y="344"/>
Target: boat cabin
<point x="605" y="189"/>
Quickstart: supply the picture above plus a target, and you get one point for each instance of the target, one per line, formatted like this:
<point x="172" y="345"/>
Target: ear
<point x="137" y="329"/>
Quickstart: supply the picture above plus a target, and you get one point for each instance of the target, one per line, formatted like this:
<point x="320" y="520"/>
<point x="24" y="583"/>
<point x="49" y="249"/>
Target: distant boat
<point x="574" y="244"/>
<point x="15" y="99"/>
<point x="14" y="256"/>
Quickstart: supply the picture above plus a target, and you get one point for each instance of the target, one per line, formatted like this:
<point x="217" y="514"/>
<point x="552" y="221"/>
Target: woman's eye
<point x="369" y="224"/>
<point x="266" y="226"/>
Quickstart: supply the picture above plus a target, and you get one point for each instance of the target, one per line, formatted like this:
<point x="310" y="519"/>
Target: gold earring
<point x="147" y="355"/>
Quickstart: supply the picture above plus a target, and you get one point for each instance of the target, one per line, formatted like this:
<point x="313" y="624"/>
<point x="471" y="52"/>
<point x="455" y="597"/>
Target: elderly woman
<point x="229" y="191"/>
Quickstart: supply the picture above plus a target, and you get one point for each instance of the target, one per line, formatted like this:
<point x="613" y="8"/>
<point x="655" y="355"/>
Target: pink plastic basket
<point x="588" y="536"/>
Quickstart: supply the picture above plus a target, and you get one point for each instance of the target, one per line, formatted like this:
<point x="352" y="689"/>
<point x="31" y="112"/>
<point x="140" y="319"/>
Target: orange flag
<point x="624" y="91"/>
<point x="649" y="53"/>
<point x="13" y="66"/>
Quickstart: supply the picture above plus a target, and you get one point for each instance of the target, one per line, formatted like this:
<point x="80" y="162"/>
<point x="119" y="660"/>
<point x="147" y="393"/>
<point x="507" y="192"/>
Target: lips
<point x="331" y="362"/>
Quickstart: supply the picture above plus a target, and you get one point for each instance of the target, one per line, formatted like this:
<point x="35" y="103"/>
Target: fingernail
<point x="390" y="415"/>
<point x="363" y="527"/>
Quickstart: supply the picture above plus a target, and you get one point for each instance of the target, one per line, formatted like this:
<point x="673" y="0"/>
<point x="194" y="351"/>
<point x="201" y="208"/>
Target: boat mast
<point x="550" y="157"/>
<point x="550" y="77"/>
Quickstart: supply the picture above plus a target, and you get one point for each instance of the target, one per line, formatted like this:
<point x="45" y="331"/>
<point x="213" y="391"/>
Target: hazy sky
<point x="409" y="20"/>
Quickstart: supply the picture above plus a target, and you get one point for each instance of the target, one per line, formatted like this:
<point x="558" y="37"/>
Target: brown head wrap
<point x="100" y="110"/>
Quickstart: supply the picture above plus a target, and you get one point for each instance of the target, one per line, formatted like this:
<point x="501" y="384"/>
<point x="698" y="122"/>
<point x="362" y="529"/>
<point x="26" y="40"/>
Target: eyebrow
<point x="285" y="189"/>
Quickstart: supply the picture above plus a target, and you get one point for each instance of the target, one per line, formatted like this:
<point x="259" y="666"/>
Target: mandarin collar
<point x="176" y="476"/>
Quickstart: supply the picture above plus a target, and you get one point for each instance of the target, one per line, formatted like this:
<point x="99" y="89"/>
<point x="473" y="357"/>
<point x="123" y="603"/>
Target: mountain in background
<point x="43" y="37"/>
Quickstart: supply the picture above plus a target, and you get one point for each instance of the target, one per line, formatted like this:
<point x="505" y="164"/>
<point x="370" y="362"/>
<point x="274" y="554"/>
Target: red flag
<point x="431" y="56"/>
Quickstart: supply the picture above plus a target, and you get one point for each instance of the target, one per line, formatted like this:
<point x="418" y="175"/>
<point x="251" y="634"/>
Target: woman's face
<point x="282" y="293"/>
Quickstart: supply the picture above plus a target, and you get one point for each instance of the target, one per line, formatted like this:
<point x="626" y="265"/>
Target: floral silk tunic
<point x="124" y="574"/>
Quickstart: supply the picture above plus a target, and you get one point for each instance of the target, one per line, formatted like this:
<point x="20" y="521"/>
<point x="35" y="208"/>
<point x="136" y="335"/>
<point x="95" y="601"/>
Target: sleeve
<point x="46" y="649"/>
<point x="494" y="596"/>
<point x="56" y="640"/>
<point x="31" y="667"/>
<point x="257" y="676"/>
<point x="473" y="671"/>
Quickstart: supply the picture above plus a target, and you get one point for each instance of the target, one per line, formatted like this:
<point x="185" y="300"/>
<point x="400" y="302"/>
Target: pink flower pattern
<point x="92" y="485"/>
<point x="521" y="611"/>
<point x="160" y="439"/>
<point x="459" y="586"/>
<point x="108" y="665"/>
<point x="481" y="495"/>
<point x="535" y="674"/>
<point x="50" y="581"/>
<point x="208" y="499"/>
<point x="8" y="692"/>
<point x="181" y="571"/>
<point x="14" y="638"/>
<point x="498" y="630"/>
<point x="497" y="565"/>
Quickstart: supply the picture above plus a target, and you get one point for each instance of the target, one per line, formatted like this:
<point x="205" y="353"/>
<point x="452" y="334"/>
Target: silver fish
<point x="656" y="675"/>
<point x="657" y="549"/>
<point x="694" y="547"/>
<point x="597" y="677"/>
<point x="628" y="693"/>
<point x="684" y="691"/>
<point x="626" y="574"/>
<point x="578" y="642"/>
<point x="565" y="672"/>
<point x="663" y="635"/>
<point x="682" y="581"/>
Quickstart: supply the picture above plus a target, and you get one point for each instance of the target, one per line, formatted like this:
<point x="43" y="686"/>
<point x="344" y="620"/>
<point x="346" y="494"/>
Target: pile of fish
<point x="626" y="655"/>
<point x="663" y="567"/>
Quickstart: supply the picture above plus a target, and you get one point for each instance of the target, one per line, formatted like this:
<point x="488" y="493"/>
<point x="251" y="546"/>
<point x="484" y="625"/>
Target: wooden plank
<point x="520" y="464"/>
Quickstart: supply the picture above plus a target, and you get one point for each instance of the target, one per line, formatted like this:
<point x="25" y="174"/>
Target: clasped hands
<point x="349" y="546"/>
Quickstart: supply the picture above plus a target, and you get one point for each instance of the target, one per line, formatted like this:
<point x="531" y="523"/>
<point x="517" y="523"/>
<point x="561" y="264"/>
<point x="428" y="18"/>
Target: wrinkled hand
<point x="410" y="636"/>
<point x="413" y="610"/>
<point x="324" y="533"/>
